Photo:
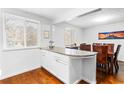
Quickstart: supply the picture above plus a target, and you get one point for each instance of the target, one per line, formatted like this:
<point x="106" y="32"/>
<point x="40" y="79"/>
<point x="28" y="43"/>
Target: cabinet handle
<point x="59" y="61"/>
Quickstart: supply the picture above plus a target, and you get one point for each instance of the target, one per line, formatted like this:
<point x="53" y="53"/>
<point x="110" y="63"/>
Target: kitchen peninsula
<point x="70" y="65"/>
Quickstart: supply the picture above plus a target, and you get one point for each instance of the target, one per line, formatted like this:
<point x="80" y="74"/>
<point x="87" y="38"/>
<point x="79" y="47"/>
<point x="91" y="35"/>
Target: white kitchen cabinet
<point x="55" y="64"/>
<point x="43" y="58"/>
<point x="47" y="60"/>
<point x="69" y="69"/>
<point x="62" y="69"/>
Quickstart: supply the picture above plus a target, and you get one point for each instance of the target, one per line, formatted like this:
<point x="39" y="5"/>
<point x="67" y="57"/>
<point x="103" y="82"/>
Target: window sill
<point x="19" y="49"/>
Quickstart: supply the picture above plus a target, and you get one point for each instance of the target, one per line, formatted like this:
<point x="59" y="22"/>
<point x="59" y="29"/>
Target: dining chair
<point x="115" y="58"/>
<point x="102" y="57"/>
<point x="86" y="47"/>
<point x="110" y="47"/>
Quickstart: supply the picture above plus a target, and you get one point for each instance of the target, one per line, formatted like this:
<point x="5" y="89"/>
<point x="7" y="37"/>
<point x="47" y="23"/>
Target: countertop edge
<point x="68" y="54"/>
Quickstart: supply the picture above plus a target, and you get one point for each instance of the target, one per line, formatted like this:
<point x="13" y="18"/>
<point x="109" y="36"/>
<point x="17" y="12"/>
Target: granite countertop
<point x="70" y="52"/>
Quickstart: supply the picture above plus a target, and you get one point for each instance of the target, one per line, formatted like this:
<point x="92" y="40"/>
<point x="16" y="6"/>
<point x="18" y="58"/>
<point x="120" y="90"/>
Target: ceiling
<point x="71" y="15"/>
<point x="50" y="13"/>
<point x="57" y="14"/>
<point x="105" y="16"/>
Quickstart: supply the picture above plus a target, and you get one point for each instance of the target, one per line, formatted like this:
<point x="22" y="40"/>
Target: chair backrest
<point x="102" y="52"/>
<point x="85" y="47"/>
<point x="117" y="52"/>
<point x="110" y="47"/>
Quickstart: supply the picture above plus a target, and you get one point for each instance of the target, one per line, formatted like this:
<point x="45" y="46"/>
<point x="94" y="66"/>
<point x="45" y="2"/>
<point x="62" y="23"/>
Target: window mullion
<point x="25" y="44"/>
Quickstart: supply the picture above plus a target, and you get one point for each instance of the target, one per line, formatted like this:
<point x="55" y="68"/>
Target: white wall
<point x="91" y="35"/>
<point x="58" y="34"/>
<point x="19" y="61"/>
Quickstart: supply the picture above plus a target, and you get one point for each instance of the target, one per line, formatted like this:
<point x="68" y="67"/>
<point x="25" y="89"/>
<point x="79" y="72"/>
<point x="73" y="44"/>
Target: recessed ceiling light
<point x="102" y="18"/>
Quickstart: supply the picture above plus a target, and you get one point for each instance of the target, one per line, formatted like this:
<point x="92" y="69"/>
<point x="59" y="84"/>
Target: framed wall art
<point x="111" y="35"/>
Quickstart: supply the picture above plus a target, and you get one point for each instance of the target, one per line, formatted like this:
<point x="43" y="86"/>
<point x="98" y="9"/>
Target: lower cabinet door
<point x="43" y="58"/>
<point x="62" y="71"/>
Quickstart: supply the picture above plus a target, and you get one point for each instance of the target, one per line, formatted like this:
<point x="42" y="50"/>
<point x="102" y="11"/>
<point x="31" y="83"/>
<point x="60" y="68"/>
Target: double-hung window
<point x="20" y="32"/>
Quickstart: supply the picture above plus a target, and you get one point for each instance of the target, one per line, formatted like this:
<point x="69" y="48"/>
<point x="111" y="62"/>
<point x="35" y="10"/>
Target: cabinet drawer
<point x="61" y="59"/>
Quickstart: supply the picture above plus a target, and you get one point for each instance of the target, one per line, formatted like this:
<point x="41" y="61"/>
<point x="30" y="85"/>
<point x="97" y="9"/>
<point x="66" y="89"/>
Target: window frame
<point x="71" y="39"/>
<point x="25" y="45"/>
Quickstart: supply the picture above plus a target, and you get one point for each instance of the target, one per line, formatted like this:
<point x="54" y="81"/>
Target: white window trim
<point x="25" y="47"/>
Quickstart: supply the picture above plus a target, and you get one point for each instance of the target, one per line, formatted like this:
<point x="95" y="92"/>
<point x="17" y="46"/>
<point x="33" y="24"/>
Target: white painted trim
<point x="19" y="49"/>
<point x="77" y="81"/>
<point x="89" y="81"/>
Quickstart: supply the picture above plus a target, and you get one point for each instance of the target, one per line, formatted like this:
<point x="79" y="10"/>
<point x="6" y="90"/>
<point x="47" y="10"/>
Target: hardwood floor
<point x="115" y="78"/>
<point x="41" y="76"/>
<point x="37" y="76"/>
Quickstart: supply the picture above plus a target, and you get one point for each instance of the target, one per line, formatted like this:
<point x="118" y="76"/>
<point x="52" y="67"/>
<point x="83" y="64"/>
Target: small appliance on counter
<point x="51" y="44"/>
<point x="72" y="46"/>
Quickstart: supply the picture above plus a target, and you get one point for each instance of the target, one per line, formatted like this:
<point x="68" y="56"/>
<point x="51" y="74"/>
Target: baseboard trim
<point x="120" y="61"/>
<point x="89" y="81"/>
<point x="77" y="81"/>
